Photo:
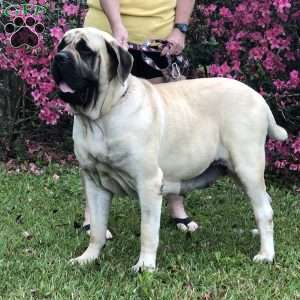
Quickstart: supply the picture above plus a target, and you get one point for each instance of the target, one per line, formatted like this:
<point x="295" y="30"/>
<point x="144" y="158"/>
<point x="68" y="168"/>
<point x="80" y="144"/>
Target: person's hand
<point x="120" y="33"/>
<point x="176" y="43"/>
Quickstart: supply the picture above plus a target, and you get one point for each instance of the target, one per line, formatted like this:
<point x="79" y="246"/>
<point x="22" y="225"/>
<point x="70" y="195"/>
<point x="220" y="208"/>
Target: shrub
<point x="32" y="64"/>
<point x="258" y="43"/>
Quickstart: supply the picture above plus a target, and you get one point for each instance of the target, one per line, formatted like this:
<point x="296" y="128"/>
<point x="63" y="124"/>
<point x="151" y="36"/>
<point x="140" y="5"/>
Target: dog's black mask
<point x="75" y="73"/>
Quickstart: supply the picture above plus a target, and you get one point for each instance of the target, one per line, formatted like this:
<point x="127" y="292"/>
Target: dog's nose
<point x="62" y="57"/>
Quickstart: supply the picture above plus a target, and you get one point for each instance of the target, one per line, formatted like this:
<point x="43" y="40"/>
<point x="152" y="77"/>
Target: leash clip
<point x="147" y="43"/>
<point x="175" y="72"/>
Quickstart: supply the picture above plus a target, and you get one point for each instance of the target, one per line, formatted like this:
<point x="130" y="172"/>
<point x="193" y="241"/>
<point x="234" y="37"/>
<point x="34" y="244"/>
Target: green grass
<point x="213" y="263"/>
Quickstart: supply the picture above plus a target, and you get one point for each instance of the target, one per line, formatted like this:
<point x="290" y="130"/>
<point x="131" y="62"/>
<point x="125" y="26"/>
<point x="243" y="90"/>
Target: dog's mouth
<point x="65" y="88"/>
<point x="82" y="97"/>
<point x="81" y="93"/>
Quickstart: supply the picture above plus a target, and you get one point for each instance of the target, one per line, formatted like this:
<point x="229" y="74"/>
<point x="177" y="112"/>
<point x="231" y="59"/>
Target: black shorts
<point x="143" y="70"/>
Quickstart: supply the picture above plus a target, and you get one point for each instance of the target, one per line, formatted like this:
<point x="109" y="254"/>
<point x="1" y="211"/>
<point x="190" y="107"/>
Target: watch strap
<point x="183" y="27"/>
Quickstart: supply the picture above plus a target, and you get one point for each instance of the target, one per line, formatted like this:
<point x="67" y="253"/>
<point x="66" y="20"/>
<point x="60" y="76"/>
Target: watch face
<point x="182" y="27"/>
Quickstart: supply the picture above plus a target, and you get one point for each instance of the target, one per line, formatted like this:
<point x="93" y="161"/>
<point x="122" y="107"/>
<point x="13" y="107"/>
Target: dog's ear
<point x="121" y="61"/>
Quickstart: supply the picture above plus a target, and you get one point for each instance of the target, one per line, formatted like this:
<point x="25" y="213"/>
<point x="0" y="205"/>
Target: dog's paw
<point x="190" y="227"/>
<point x="263" y="258"/>
<point x="142" y="268"/>
<point x="83" y="260"/>
<point x="90" y="254"/>
<point x="146" y="264"/>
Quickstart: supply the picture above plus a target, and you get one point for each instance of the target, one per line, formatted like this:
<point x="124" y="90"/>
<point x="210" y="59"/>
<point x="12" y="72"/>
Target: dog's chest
<point x="102" y="158"/>
<point x="89" y="143"/>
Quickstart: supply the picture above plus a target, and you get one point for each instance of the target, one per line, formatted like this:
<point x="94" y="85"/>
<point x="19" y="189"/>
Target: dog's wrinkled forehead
<point x="94" y="38"/>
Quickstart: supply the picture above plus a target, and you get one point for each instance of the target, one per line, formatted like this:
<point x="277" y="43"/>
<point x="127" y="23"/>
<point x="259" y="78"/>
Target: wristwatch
<point x="182" y="27"/>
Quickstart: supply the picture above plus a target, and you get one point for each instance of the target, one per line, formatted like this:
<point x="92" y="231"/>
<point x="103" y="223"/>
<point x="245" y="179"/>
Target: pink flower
<point x="290" y="56"/>
<point x="213" y="70"/>
<point x="296" y="145"/>
<point x="247" y="19"/>
<point x="224" y="69"/>
<point x="274" y="32"/>
<point x="208" y="10"/>
<point x="62" y="22"/>
<point x="274" y="36"/>
<point x="37" y="95"/>
<point x="241" y="35"/>
<point x="294" y="81"/>
<point x="57" y="33"/>
<point x="279" y="84"/>
<point x="255" y="36"/>
<point x="236" y="64"/>
<point x="71" y="9"/>
<point x="281" y="5"/>
<point x="225" y="12"/>
<point x="233" y="47"/>
<point x="294" y="167"/>
<point x="257" y="53"/>
<point x="280" y="164"/>
<point x="273" y="63"/>
<point x="241" y="8"/>
<point x="48" y="115"/>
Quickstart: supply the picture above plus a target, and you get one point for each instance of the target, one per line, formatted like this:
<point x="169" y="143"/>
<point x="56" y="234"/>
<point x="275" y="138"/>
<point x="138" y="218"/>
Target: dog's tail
<point x="275" y="131"/>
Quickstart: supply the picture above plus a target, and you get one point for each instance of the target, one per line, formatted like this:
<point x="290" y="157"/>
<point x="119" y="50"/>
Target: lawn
<point x="39" y="233"/>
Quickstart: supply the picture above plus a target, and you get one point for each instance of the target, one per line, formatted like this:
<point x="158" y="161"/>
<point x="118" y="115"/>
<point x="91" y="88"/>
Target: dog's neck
<point x="115" y="94"/>
<point x="110" y="95"/>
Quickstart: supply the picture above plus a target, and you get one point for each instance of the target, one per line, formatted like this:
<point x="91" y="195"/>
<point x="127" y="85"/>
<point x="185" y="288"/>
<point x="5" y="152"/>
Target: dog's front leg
<point x="149" y="191"/>
<point x="99" y="201"/>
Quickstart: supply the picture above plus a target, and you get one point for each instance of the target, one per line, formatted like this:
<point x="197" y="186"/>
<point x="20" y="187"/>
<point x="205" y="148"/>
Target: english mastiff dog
<point x="150" y="140"/>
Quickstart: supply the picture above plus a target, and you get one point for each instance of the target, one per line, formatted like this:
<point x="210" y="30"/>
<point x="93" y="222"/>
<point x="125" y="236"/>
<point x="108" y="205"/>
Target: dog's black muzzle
<point x="76" y="75"/>
<point x="65" y="69"/>
<point x="62" y="57"/>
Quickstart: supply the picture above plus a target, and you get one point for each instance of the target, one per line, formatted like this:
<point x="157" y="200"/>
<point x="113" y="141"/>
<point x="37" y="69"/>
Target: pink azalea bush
<point x="257" y="42"/>
<point x="32" y="64"/>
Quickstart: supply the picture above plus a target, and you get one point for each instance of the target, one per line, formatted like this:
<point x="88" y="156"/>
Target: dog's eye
<point x="83" y="49"/>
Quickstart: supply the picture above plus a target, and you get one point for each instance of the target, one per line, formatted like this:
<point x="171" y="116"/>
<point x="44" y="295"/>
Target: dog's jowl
<point x="136" y="138"/>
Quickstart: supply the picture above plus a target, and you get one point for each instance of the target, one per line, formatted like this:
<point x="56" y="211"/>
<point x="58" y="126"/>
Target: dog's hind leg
<point x="249" y="165"/>
<point x="99" y="201"/>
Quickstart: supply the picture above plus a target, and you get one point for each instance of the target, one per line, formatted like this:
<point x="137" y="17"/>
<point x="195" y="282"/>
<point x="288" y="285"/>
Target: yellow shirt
<point x="144" y="19"/>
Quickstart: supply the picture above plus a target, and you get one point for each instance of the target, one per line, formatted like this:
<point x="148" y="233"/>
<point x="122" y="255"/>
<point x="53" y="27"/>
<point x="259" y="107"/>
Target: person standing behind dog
<point x="137" y="21"/>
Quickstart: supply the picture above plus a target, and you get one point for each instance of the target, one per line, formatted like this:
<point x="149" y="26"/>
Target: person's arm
<point x="111" y="9"/>
<point x="183" y="13"/>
